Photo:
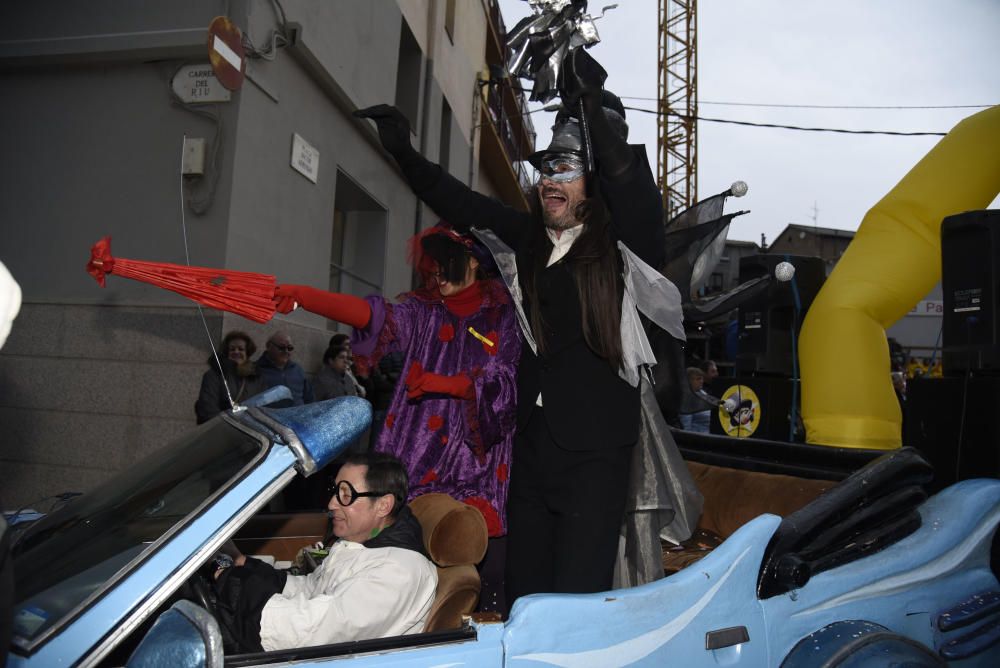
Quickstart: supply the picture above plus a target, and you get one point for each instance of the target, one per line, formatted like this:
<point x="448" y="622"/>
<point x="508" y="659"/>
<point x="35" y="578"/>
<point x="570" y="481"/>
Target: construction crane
<point x="677" y="138"/>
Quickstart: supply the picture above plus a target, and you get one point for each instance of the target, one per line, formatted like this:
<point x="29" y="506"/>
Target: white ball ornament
<point x="784" y="271"/>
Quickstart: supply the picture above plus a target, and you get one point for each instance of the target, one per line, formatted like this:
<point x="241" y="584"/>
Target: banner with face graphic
<point x="739" y="412"/>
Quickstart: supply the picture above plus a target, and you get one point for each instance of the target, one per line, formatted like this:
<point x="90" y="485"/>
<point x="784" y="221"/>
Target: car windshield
<point x="65" y="557"/>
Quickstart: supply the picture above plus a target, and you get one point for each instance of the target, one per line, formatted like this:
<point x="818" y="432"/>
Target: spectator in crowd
<point x="334" y="379"/>
<point x="239" y="374"/>
<point x="899" y="386"/>
<point x="375" y="582"/>
<point x="711" y="371"/>
<point x="362" y="381"/>
<point x="697" y="404"/>
<point x="277" y="368"/>
<point x="916" y="368"/>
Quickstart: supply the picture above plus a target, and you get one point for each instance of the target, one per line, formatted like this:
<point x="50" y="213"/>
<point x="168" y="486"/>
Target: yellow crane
<point x="677" y="127"/>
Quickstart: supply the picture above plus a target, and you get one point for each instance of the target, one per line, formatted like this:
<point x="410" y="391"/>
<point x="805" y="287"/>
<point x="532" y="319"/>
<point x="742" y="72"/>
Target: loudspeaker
<point x="952" y="421"/>
<point x="765" y="323"/>
<point x="970" y="280"/>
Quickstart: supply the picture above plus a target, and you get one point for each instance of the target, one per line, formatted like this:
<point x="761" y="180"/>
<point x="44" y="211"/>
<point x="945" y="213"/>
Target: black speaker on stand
<point x="953" y="420"/>
<point x="768" y="324"/>
<point x="970" y="281"/>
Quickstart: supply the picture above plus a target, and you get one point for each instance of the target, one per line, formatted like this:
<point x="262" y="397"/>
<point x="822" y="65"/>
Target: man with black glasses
<point x="376" y="581"/>
<point x="276" y="367"/>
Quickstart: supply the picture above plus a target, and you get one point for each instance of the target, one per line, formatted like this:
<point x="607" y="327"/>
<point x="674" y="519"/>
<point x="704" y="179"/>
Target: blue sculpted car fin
<point x="185" y="636"/>
<point x="318" y="432"/>
<point x="269" y="396"/>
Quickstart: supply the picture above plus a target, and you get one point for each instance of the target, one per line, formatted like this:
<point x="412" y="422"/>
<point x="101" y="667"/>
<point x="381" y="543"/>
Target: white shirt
<point x="357" y="593"/>
<point x="561" y="243"/>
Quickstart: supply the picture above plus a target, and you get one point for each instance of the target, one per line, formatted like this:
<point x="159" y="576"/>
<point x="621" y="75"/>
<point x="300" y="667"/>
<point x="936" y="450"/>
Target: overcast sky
<point x="849" y="53"/>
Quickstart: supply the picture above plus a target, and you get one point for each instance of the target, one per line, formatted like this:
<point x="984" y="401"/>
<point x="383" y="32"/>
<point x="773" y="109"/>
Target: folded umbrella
<point x="241" y="292"/>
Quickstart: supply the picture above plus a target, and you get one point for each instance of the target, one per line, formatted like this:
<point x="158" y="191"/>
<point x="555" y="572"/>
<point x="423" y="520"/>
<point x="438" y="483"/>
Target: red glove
<point x="347" y="309"/>
<point x="420" y="382"/>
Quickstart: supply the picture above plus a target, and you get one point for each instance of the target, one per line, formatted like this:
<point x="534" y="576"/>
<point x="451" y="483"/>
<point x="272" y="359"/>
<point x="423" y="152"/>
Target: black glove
<point x="581" y="76"/>
<point x="393" y="127"/>
<point x="242" y="592"/>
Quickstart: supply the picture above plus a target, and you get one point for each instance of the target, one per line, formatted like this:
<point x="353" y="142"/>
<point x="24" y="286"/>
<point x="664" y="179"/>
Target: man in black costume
<point x="577" y="418"/>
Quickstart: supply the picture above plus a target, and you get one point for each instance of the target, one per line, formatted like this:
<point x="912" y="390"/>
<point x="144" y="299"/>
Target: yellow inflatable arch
<point x="892" y="263"/>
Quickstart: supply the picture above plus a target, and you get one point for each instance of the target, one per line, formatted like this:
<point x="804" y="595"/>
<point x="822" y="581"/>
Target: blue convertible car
<point x="871" y="572"/>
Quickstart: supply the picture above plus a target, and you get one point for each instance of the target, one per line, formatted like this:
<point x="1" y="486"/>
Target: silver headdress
<point x="539" y="43"/>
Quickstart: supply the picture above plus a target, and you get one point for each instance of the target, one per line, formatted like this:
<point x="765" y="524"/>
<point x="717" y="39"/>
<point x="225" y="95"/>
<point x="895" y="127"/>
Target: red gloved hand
<point x="420" y="382"/>
<point x="347" y="309"/>
<point x="414" y="379"/>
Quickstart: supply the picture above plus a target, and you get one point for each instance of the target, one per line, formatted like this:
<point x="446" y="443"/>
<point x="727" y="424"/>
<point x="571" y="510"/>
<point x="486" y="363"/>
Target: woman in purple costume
<point x="452" y="419"/>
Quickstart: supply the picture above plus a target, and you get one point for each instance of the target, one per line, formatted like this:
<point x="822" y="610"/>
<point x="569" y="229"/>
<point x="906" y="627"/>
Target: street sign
<point x="225" y="52"/>
<point x="197" y="84"/>
<point x="305" y="158"/>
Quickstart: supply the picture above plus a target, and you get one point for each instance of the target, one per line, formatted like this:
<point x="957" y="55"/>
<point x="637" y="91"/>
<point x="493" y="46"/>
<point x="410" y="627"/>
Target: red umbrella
<point x="243" y="293"/>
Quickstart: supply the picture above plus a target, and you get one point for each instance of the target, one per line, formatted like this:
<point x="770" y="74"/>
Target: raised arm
<point x="347" y="309"/>
<point x="626" y="181"/>
<point x="451" y="199"/>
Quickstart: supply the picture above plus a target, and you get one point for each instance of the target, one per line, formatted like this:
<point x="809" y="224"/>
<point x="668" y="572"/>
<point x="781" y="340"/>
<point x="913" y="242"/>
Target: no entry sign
<point x="225" y="52"/>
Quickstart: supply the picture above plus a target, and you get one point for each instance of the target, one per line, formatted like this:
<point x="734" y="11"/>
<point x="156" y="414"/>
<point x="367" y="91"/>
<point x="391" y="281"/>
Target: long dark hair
<point x="595" y="264"/>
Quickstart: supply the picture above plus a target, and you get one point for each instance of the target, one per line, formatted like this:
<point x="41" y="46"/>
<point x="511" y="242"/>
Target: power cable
<point x="821" y="106"/>
<point x="779" y="126"/>
<point x="792" y="127"/>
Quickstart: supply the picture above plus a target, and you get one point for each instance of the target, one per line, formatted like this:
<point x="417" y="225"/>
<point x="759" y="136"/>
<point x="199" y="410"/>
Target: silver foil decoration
<point x="539" y="43"/>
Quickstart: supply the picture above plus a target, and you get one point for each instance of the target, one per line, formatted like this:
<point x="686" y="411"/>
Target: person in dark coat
<point x="577" y="419"/>
<point x="276" y="366"/>
<point x="240" y="373"/>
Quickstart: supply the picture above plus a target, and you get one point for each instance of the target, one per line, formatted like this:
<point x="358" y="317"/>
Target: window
<point x="716" y="282"/>
<point x="408" y="75"/>
<point x="449" y="19"/>
<point x="357" y="247"/>
<point x="444" y="153"/>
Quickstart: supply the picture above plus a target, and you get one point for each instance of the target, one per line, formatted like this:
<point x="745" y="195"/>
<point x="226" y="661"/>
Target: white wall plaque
<point x="305" y="158"/>
<point x="196" y="84"/>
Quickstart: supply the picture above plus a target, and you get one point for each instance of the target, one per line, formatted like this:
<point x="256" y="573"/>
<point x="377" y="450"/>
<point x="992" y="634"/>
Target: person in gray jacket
<point x="334" y="378"/>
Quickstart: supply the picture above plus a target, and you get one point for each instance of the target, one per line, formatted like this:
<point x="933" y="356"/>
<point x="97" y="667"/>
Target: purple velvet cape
<point x="461" y="447"/>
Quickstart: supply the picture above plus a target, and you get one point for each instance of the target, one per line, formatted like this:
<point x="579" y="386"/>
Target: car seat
<point x="455" y="538"/>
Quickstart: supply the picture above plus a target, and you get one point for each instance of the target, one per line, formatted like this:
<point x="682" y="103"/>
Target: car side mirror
<point x="185" y="636"/>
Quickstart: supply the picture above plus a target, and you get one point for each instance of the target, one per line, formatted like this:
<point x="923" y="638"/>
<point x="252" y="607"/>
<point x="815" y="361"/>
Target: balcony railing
<point x="507" y="126"/>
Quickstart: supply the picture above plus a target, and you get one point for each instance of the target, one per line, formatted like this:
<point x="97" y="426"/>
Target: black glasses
<point x="289" y="348"/>
<point x="346" y="494"/>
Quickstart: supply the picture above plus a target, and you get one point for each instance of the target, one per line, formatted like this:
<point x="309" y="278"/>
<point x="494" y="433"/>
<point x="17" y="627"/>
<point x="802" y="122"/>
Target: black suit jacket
<point x="586" y="404"/>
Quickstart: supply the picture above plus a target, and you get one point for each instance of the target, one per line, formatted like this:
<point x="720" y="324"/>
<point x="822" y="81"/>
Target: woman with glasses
<point x="452" y="417"/>
<point x="238" y="374"/>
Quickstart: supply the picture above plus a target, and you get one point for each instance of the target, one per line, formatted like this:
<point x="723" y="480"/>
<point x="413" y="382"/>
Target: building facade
<point x="823" y="242"/>
<point x="103" y="101"/>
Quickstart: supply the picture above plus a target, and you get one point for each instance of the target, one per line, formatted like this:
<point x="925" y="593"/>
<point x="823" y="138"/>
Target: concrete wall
<point x="90" y="379"/>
